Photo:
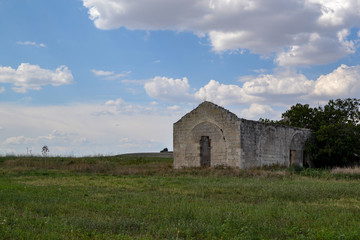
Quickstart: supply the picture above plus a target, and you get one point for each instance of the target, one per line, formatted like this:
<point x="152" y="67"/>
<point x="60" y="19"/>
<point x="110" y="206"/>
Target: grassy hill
<point x="141" y="197"/>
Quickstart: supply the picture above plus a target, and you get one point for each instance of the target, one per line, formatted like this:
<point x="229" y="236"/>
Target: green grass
<point x="142" y="198"/>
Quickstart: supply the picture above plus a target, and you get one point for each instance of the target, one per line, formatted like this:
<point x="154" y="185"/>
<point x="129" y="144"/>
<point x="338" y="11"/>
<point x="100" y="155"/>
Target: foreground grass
<point x="141" y="198"/>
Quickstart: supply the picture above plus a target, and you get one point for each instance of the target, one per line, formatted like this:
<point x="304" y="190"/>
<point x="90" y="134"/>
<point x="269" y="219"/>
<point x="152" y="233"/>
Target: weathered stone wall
<point x="268" y="144"/>
<point x="222" y="128"/>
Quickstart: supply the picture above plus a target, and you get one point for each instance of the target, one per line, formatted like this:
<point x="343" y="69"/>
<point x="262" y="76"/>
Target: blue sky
<point x="112" y="76"/>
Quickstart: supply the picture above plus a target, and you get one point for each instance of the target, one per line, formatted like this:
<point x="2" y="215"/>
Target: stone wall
<point x="222" y="128"/>
<point x="268" y="144"/>
<point x="235" y="142"/>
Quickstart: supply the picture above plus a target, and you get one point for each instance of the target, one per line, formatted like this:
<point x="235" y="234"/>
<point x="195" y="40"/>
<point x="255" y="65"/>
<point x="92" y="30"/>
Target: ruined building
<point x="211" y="136"/>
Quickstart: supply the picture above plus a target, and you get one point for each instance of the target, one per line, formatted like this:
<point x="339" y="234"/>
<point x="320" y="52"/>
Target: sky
<point x="105" y="77"/>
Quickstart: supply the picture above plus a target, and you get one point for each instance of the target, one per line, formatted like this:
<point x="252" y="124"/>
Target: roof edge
<point x="208" y="103"/>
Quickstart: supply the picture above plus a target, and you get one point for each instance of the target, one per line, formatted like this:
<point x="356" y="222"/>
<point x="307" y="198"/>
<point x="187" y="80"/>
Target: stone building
<point x="211" y="136"/>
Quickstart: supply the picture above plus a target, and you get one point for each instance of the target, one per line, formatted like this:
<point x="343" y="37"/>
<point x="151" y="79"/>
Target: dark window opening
<point x="306" y="159"/>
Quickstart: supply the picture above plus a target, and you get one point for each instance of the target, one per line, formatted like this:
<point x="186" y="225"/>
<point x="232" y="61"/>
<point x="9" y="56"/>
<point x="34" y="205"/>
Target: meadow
<point x="127" y="197"/>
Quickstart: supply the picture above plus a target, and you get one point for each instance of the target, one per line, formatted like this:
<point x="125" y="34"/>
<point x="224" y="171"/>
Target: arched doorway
<point x="206" y="146"/>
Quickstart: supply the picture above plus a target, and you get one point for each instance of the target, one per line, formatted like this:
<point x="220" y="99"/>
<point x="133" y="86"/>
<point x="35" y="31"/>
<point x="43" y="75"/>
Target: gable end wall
<point x="208" y="119"/>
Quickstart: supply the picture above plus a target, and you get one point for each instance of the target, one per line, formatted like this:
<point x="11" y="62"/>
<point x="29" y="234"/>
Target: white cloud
<point x="262" y="26"/>
<point x="120" y="106"/>
<point x="2" y="89"/>
<point x="110" y="75"/>
<point x="342" y="82"/>
<point x="223" y="41"/>
<point x="15" y="140"/>
<point x="55" y="137"/>
<point x="281" y="83"/>
<point x="223" y="94"/>
<point x="257" y="111"/>
<point x="169" y="89"/>
<point x="101" y="72"/>
<point x="317" y="49"/>
<point x="29" y="43"/>
<point x="119" y="75"/>
<point x="32" y="77"/>
<point x="283" y="88"/>
<point x="337" y="13"/>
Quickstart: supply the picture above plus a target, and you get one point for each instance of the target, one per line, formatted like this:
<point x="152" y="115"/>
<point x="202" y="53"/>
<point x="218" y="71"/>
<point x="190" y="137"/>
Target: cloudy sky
<point x="88" y="77"/>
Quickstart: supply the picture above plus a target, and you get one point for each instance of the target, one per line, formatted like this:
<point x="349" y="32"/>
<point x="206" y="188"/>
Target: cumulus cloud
<point x="317" y="49"/>
<point x="342" y="82"/>
<point x="262" y="26"/>
<point x="281" y="88"/>
<point x="281" y="83"/>
<point x="337" y="13"/>
<point x="256" y="111"/>
<point x="168" y="89"/>
<point x="29" y="43"/>
<point x="33" y="77"/>
<point x="223" y="94"/>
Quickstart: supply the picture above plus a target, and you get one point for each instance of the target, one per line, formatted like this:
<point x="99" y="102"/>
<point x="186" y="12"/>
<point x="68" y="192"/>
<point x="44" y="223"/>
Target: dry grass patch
<point x="348" y="170"/>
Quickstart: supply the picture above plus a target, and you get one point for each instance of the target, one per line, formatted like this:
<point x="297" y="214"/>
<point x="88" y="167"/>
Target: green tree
<point x="341" y="111"/>
<point x="299" y="115"/>
<point x="335" y="144"/>
<point x="336" y="132"/>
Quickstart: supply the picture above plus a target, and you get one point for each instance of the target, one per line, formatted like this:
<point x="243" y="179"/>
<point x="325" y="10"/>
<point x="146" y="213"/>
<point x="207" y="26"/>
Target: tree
<point x="302" y="116"/>
<point x="164" y="150"/>
<point x="335" y="145"/>
<point x="336" y="111"/>
<point x="45" y="150"/>
<point x="342" y="111"/>
<point x="336" y="131"/>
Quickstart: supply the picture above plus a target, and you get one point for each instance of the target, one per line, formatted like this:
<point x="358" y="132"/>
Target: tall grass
<point x="50" y="199"/>
<point x="98" y="164"/>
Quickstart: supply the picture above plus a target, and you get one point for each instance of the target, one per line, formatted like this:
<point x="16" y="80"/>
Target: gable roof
<point x="207" y="104"/>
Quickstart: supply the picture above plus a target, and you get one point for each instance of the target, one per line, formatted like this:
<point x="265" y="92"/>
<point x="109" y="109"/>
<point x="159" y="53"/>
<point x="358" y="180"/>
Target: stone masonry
<point x="212" y="136"/>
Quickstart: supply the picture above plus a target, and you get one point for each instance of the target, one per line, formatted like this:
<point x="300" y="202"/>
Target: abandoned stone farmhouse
<point x="211" y="136"/>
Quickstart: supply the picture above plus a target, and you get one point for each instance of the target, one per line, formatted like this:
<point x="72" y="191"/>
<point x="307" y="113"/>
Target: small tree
<point x="164" y="150"/>
<point x="45" y="150"/>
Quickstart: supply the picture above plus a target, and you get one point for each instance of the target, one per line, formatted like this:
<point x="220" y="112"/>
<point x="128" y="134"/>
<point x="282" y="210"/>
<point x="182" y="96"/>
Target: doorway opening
<point x="292" y="157"/>
<point x="205" y="151"/>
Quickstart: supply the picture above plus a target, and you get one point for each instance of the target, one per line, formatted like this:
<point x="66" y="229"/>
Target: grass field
<point x="127" y="197"/>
